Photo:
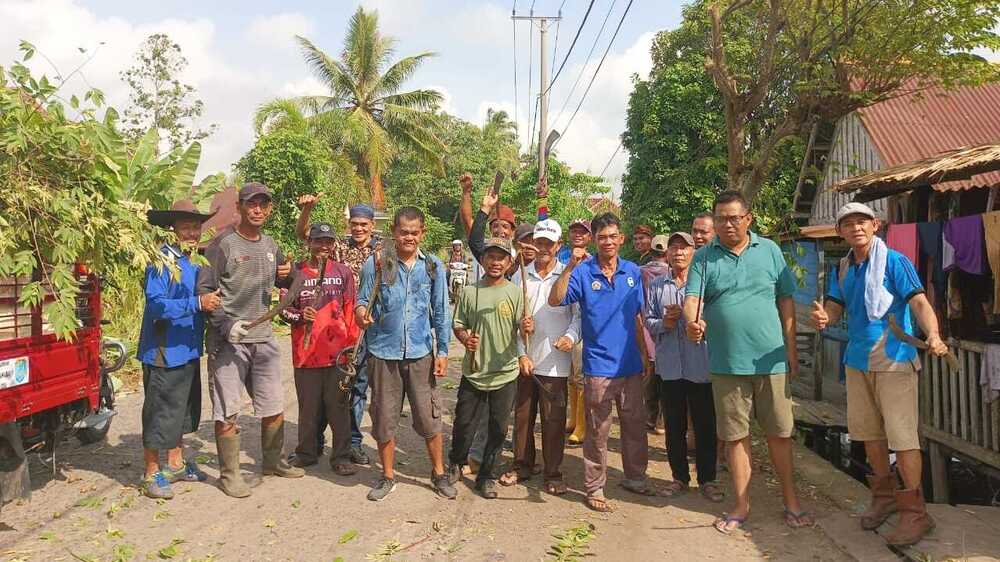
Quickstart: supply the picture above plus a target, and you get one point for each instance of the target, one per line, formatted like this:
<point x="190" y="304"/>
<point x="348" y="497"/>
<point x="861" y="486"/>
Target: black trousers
<point x="676" y="399"/>
<point x="472" y="402"/>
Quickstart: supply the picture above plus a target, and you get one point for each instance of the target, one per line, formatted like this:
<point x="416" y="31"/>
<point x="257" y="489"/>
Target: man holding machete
<point x="879" y="286"/>
<point x="407" y="331"/>
<point x="244" y="264"/>
<point x="322" y="319"/>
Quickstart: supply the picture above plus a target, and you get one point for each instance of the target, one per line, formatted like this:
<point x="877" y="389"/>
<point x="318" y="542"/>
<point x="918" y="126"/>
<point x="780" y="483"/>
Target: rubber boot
<point x="883" y="502"/>
<point x="272" y="443"/>
<point x="580" y="429"/>
<point x="230" y="480"/>
<point x="914" y="521"/>
<point x="573" y="405"/>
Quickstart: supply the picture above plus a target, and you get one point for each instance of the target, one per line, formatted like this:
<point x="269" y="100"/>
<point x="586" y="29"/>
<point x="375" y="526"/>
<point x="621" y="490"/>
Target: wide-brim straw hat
<point x="182" y="209"/>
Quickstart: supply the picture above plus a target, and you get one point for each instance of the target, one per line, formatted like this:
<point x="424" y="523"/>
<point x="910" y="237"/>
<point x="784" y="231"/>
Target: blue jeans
<point x="359" y="399"/>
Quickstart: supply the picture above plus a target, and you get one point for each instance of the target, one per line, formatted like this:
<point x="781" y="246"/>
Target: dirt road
<point x="91" y="510"/>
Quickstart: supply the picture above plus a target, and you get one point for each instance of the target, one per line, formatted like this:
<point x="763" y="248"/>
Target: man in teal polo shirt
<point x="611" y="298"/>
<point x="745" y="288"/>
<point x="875" y="284"/>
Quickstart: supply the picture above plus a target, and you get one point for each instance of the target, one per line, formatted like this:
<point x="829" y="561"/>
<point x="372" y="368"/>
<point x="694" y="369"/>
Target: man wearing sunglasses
<point x="739" y="298"/>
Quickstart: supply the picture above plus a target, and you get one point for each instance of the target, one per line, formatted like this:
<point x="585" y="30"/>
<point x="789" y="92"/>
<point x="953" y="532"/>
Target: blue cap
<point x="362" y="211"/>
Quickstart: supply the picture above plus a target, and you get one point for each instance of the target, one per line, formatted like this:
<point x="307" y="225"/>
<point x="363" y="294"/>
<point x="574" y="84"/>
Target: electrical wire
<point x="596" y="71"/>
<point x="571" y="45"/>
<point x="610" y="160"/>
<point x="513" y="12"/>
<point x="583" y="69"/>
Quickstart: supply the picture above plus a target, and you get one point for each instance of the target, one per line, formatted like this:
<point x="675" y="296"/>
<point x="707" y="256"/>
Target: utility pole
<point x="543" y="86"/>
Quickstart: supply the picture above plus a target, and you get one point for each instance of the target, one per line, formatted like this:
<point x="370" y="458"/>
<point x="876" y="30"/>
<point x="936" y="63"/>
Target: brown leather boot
<point x="883" y="501"/>
<point x="914" y="521"/>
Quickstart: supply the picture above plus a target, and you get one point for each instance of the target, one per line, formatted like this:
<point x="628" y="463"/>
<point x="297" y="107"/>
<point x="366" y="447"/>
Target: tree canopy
<point x="373" y="119"/>
<point x="676" y="137"/>
<point x="72" y="191"/>
<point x="781" y="65"/>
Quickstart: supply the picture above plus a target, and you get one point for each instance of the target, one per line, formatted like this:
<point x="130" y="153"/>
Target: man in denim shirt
<point x="412" y="302"/>
<point x="682" y="371"/>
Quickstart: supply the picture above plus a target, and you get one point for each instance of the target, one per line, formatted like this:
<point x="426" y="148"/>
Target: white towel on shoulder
<point x="878" y="299"/>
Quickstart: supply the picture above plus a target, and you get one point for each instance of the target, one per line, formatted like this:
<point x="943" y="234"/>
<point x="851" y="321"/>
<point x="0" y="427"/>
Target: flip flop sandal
<point x="725" y="526"/>
<point x="600" y="504"/>
<point x="675" y="488"/>
<point x="344" y="469"/>
<point x="645" y="489"/>
<point x="798" y="520"/>
<point x="555" y="487"/>
<point x="509" y="478"/>
<point x="712" y="493"/>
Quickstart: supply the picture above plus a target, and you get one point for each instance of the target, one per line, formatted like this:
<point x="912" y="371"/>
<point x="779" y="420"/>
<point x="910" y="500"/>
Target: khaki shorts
<point x="254" y="367"/>
<point x="883" y="405"/>
<point x="390" y="381"/>
<point x="768" y="397"/>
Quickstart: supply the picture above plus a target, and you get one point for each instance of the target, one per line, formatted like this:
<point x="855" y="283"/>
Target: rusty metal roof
<point x="925" y="124"/>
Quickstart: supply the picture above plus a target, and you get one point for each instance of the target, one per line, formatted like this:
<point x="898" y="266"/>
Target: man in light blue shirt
<point x="682" y="372"/>
<point x="404" y="326"/>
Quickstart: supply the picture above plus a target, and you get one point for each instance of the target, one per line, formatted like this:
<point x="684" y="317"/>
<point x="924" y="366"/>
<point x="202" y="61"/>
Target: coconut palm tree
<point x="365" y="114"/>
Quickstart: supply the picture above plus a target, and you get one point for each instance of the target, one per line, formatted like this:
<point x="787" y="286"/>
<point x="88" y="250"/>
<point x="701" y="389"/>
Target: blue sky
<point x="242" y="54"/>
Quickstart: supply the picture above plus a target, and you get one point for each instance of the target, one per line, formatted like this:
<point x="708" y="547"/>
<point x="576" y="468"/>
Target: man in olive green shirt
<point x="488" y="319"/>
<point x="739" y="298"/>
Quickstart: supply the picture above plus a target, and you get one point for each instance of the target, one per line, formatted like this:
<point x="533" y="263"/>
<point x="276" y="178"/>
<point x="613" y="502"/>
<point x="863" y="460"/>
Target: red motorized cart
<point x="50" y="386"/>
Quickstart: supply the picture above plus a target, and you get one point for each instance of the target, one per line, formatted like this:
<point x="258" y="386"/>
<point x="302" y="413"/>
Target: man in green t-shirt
<point x="489" y="316"/>
<point x="748" y="317"/>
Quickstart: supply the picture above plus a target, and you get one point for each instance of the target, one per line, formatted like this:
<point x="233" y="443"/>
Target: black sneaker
<point x="359" y="456"/>
<point x="488" y="489"/>
<point x="454" y="473"/>
<point x="384" y="487"/>
<point x="443" y="486"/>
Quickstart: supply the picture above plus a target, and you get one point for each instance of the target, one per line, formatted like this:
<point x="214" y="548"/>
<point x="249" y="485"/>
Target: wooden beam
<point x="975" y="452"/>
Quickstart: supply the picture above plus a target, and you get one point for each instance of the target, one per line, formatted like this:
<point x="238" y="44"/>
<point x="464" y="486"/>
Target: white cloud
<point x="595" y="131"/>
<point x="308" y="86"/>
<point x="278" y="31"/>
<point x="447" y="101"/>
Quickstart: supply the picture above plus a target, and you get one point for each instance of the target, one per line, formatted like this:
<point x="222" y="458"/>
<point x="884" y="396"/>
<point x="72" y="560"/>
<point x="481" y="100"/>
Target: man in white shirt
<point x="550" y="346"/>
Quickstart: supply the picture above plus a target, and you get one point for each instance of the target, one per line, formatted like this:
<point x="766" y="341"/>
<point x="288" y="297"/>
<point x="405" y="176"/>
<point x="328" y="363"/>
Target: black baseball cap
<point x="321" y="230"/>
<point x="253" y="189"/>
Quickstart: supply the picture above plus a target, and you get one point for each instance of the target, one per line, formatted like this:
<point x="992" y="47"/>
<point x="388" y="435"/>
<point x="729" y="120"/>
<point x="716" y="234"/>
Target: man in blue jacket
<point x="170" y="348"/>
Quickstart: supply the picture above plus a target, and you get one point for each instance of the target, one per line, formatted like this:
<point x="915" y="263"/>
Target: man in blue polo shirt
<point x="875" y="284"/>
<point x="611" y="298"/>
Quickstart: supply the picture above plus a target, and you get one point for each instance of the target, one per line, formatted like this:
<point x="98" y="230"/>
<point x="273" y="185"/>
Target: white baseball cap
<point x="548" y="229"/>
<point x="855" y="208"/>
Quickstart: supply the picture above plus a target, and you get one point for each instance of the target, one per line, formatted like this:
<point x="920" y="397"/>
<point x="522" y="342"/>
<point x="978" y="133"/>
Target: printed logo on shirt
<point x="596" y="285"/>
<point x="505" y="310"/>
<point x="631" y="282"/>
<point x="270" y="257"/>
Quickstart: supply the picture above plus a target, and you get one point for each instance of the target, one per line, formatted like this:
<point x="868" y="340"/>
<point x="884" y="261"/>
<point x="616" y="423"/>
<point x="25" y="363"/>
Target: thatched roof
<point x="954" y="165"/>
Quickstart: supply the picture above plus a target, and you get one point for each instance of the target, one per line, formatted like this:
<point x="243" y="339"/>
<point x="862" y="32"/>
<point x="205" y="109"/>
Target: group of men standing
<point x="701" y="334"/>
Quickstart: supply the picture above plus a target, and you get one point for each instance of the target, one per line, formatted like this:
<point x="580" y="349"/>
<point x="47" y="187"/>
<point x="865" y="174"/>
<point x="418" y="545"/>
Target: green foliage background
<point x="293" y="163"/>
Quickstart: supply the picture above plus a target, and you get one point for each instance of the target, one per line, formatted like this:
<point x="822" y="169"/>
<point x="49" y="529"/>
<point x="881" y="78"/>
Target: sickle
<point x="921" y="344"/>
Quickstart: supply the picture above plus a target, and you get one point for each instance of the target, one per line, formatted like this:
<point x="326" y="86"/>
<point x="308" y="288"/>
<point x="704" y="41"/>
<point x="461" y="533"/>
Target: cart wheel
<point x="90" y="435"/>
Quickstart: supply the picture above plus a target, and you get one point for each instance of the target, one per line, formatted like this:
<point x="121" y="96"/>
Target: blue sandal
<point x="798" y="520"/>
<point x="723" y="524"/>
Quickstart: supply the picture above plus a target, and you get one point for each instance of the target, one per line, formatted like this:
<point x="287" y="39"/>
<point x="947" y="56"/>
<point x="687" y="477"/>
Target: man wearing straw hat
<point x="170" y="348"/>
